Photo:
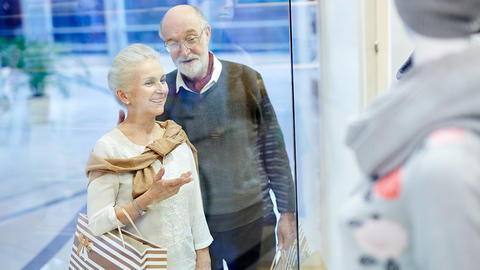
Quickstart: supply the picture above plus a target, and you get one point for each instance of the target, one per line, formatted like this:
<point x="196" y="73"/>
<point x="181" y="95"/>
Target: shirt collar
<point x="217" y="69"/>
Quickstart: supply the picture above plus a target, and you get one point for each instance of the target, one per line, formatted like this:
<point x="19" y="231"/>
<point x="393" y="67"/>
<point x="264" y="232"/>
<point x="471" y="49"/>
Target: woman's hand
<point x="162" y="189"/>
<point x="203" y="259"/>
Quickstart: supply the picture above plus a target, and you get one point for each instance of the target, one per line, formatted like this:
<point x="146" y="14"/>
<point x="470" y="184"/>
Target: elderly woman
<point x="148" y="168"/>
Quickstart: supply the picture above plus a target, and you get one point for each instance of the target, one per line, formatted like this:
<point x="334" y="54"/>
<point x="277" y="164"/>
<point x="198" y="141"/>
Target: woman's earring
<point x="128" y="102"/>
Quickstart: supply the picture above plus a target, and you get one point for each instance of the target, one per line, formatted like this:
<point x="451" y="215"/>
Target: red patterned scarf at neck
<point x="197" y="85"/>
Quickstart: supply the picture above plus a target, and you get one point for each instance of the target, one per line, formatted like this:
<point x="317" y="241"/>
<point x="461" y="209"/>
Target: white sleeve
<point x="102" y="194"/>
<point x="200" y="231"/>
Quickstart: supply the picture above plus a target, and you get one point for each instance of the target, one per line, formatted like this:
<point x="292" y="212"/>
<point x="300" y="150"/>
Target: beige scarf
<point x="141" y="165"/>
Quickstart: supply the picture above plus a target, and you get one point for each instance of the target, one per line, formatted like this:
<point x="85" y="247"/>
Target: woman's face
<point x="147" y="90"/>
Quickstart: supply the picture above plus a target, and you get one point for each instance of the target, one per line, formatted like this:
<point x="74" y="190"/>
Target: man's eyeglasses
<point x="189" y="42"/>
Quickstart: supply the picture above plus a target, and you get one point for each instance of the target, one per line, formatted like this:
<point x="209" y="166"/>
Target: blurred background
<point x="322" y="62"/>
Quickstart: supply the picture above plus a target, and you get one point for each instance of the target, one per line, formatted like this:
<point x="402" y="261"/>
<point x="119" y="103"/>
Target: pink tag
<point x="390" y="185"/>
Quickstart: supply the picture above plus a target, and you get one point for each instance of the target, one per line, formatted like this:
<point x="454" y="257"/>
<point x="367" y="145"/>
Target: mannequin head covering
<point x="441" y="18"/>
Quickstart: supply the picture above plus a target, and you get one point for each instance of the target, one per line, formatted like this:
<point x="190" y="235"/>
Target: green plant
<point x="12" y="52"/>
<point x="38" y="65"/>
<point x="36" y="59"/>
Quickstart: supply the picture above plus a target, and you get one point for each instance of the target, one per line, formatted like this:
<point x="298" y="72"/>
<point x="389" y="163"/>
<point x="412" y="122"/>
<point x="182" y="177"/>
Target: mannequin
<point x="418" y="146"/>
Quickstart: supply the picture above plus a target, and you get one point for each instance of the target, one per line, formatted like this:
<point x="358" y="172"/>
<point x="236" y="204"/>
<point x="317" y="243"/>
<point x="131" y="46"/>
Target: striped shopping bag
<point x="114" y="250"/>
<point x="288" y="259"/>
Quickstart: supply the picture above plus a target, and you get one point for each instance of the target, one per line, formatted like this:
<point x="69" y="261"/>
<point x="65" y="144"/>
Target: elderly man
<point x="226" y="112"/>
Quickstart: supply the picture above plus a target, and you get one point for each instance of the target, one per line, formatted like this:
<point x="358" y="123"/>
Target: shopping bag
<point x="114" y="250"/>
<point x="287" y="259"/>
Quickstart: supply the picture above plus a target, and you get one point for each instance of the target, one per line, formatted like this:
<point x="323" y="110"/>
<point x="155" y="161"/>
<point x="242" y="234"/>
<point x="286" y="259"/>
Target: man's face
<point x="190" y="50"/>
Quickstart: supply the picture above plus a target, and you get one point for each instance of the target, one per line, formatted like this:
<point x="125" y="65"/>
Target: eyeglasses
<point x="189" y="42"/>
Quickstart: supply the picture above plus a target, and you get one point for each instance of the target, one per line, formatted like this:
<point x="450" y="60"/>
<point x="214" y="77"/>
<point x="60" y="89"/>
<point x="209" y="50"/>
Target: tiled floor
<point x="42" y="174"/>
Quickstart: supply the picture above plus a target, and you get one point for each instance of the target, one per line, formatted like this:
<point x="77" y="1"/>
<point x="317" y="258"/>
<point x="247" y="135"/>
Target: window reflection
<point x="82" y="37"/>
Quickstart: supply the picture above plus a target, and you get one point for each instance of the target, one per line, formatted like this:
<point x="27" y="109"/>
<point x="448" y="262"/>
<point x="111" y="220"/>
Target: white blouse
<point x="177" y="223"/>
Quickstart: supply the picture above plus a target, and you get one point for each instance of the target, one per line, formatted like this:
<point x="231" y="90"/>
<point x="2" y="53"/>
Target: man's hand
<point x="203" y="259"/>
<point x="162" y="189"/>
<point x="121" y="117"/>
<point x="286" y="230"/>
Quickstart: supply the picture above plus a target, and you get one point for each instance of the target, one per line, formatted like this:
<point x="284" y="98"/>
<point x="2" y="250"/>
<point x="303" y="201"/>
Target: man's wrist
<point x="288" y="215"/>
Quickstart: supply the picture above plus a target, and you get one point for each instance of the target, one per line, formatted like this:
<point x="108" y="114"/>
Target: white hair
<point x="120" y="72"/>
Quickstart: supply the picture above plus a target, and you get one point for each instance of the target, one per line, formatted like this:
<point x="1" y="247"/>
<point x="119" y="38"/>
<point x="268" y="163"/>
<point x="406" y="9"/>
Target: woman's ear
<point x="122" y="96"/>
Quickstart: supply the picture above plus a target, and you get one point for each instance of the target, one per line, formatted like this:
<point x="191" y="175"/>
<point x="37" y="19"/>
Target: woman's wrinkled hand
<point x="162" y="189"/>
<point x="203" y="259"/>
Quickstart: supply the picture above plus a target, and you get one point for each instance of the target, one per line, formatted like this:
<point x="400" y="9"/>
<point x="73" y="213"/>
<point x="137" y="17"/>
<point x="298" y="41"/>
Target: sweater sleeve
<point x="102" y="193"/>
<point x="274" y="156"/>
<point x="444" y="205"/>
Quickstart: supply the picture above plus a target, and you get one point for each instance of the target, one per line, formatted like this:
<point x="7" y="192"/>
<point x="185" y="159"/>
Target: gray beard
<point x="191" y="70"/>
<point x="194" y="70"/>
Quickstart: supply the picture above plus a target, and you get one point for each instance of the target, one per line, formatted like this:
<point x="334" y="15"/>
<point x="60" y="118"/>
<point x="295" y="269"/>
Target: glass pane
<point x="306" y="74"/>
<point x="55" y="104"/>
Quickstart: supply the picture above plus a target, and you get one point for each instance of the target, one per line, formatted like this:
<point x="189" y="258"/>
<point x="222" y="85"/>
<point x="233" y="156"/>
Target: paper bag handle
<point x="133" y="224"/>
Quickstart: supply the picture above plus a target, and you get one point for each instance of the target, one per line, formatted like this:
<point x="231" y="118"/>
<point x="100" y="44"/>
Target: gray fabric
<point x="442" y="199"/>
<point x="441" y="18"/>
<point x="432" y="223"/>
<point x="427" y="98"/>
<point x="420" y="142"/>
